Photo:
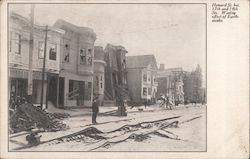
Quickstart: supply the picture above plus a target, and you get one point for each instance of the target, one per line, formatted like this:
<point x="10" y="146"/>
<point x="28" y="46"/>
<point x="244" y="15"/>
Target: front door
<point x="61" y="91"/>
<point x="80" y="101"/>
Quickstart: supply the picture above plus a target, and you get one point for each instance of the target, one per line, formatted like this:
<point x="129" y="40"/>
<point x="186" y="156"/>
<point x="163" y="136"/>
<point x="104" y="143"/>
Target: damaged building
<point x="116" y="88"/>
<point x="170" y="84"/>
<point x="77" y="65"/>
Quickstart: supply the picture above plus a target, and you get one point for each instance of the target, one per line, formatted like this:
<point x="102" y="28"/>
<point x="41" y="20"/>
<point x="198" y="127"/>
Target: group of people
<point x="165" y="102"/>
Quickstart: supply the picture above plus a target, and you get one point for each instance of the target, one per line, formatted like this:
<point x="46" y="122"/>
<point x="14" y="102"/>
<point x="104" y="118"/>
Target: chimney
<point x="162" y="66"/>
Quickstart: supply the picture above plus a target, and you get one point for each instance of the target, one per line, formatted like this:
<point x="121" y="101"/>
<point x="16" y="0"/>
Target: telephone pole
<point x="31" y="47"/>
<point x="44" y="60"/>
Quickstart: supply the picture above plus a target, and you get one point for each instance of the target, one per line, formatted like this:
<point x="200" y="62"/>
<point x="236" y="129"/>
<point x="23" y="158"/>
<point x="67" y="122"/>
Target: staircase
<point x="122" y="93"/>
<point x="107" y="96"/>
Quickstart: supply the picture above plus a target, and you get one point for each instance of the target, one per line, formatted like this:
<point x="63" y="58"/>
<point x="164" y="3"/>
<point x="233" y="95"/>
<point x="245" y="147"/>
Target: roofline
<point x="26" y="20"/>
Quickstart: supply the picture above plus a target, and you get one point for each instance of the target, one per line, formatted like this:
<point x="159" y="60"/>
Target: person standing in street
<point x="95" y="110"/>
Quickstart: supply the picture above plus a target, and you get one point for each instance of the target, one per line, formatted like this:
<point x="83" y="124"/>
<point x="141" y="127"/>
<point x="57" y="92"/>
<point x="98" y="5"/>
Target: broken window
<point x="41" y="49"/>
<point x="15" y="43"/>
<point x="82" y="56"/>
<point x="66" y="54"/>
<point x="52" y="52"/>
<point x="89" y="57"/>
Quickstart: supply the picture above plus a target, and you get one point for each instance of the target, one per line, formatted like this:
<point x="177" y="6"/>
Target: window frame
<point x="66" y="52"/>
<point x="15" y="42"/>
<point x="39" y="49"/>
<point x="50" y="47"/>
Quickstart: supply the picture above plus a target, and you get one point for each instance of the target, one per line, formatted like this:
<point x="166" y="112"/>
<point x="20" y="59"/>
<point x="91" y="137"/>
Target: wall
<point x="134" y="77"/>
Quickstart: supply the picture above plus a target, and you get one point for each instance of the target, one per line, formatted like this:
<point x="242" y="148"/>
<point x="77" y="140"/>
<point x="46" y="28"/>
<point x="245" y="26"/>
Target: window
<point x="144" y="91"/>
<point x="97" y="81"/>
<point x="40" y="49"/>
<point x="15" y="42"/>
<point x="149" y="78"/>
<point x="144" y="77"/>
<point x="52" y="52"/>
<point x="89" y="57"/>
<point x="149" y="91"/>
<point x="124" y="64"/>
<point x="66" y="52"/>
<point x="82" y="56"/>
<point x="101" y="82"/>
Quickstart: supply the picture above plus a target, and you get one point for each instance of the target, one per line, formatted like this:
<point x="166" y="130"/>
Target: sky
<point x="174" y="33"/>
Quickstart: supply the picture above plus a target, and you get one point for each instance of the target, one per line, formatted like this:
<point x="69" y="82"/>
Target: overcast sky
<point x="174" y="33"/>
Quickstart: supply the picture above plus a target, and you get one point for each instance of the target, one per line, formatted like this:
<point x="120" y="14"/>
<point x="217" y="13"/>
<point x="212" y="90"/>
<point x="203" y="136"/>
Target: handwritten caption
<point x="223" y="11"/>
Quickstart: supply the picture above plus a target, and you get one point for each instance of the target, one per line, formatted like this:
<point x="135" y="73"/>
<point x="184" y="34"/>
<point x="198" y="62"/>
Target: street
<point x="150" y="129"/>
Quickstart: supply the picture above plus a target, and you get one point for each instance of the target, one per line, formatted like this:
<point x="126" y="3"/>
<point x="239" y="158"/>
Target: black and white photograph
<point x="107" y="77"/>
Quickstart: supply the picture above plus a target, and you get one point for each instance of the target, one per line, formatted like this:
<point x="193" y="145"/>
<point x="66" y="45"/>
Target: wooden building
<point x="18" y="56"/>
<point x="141" y="77"/>
<point x="170" y="84"/>
<point x="77" y="65"/>
<point x="115" y="74"/>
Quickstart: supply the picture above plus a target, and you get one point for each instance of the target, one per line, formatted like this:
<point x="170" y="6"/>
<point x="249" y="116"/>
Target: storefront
<point x="18" y="85"/>
<point x="75" y="90"/>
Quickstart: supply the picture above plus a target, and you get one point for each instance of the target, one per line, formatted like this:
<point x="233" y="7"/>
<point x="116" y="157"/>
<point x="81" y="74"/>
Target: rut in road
<point x="93" y="138"/>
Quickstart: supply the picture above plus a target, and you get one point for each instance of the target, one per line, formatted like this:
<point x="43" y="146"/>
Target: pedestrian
<point x="163" y="99"/>
<point x="95" y="110"/>
<point x="167" y="102"/>
<point x="145" y="103"/>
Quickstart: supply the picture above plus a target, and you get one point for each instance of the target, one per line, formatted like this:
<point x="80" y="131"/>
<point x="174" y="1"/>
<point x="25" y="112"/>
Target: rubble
<point x="27" y="116"/>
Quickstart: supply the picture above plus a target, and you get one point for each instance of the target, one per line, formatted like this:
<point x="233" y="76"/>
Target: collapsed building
<point x="170" y="84"/>
<point x="116" y="88"/>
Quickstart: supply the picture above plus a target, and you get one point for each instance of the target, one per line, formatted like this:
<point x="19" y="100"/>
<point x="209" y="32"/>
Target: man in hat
<point x="95" y="109"/>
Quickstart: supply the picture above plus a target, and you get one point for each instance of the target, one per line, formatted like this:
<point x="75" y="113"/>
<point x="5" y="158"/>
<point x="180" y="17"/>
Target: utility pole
<point x="31" y="47"/>
<point x="44" y="60"/>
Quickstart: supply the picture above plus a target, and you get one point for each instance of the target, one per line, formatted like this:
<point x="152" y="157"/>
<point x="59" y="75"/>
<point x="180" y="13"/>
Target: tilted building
<point x="77" y="65"/>
<point x="116" y="74"/>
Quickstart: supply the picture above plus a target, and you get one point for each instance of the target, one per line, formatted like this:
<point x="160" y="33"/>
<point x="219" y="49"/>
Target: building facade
<point x="77" y="65"/>
<point x="116" y="74"/>
<point x="19" y="45"/>
<point x="170" y="84"/>
<point x="141" y="77"/>
<point x="99" y="68"/>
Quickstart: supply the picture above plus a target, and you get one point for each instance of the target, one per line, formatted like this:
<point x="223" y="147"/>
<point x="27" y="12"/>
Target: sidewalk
<point x="77" y="112"/>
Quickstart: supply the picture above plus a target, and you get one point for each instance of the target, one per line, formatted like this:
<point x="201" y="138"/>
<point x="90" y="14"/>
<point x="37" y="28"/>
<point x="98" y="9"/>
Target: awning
<point x="20" y="73"/>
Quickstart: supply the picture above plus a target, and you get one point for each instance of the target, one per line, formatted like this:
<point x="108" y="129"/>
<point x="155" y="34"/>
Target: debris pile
<point x="27" y="116"/>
